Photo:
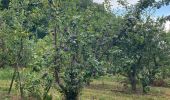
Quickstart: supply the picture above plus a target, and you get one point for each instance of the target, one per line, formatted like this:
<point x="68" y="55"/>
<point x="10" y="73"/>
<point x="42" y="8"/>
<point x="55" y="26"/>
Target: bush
<point x="6" y="74"/>
<point x="36" y="85"/>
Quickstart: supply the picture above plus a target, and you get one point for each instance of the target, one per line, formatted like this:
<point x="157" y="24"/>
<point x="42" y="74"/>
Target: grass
<point x="105" y="88"/>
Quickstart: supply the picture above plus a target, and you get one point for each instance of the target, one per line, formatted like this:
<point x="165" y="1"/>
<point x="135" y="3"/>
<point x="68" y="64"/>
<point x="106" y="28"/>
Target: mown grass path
<point x="98" y="90"/>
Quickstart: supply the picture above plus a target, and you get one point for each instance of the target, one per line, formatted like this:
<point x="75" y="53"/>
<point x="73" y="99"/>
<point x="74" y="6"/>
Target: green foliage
<point x="36" y="85"/>
<point x="4" y="4"/>
<point x="143" y="43"/>
<point x="78" y="41"/>
<point x="5" y="74"/>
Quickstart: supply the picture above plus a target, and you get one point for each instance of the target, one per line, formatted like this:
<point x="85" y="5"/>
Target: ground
<point x="105" y="88"/>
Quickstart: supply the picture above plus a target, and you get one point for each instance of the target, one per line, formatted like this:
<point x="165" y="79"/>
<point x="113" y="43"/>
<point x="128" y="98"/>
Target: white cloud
<point x="98" y="1"/>
<point x="114" y="3"/>
<point x="167" y="26"/>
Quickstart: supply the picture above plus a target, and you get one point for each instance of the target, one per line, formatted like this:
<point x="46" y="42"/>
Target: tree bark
<point x="12" y="81"/>
<point x="2" y="46"/>
<point x="133" y="74"/>
<point x="56" y="69"/>
<point x="132" y="78"/>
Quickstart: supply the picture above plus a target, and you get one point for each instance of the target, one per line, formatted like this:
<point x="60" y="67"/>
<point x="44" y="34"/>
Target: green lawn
<point x="105" y="88"/>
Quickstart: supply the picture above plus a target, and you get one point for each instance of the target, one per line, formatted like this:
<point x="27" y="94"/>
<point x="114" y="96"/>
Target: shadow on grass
<point x="120" y="89"/>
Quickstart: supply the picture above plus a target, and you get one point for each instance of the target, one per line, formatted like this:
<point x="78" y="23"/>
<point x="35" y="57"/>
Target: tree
<point x="16" y="40"/>
<point x="76" y="38"/>
<point x="140" y="40"/>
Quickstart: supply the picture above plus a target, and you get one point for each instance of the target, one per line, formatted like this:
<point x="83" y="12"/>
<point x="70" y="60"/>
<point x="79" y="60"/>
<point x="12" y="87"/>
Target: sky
<point x="163" y="11"/>
<point x="114" y="2"/>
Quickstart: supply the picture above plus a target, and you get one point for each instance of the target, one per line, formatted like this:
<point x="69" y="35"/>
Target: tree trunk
<point x="2" y="46"/>
<point x="144" y="88"/>
<point x="133" y="83"/>
<point x="56" y="71"/>
<point x="133" y="73"/>
<point x="71" y="96"/>
<point x="132" y="78"/>
<point x="19" y="64"/>
<point x="12" y="81"/>
<point x="20" y="84"/>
